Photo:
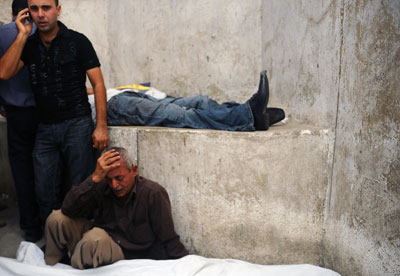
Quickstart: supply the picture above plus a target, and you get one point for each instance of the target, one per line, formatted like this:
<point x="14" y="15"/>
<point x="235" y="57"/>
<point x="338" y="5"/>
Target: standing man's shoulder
<point x="8" y="33"/>
<point x="75" y="35"/>
<point x="8" y="27"/>
<point x="82" y="46"/>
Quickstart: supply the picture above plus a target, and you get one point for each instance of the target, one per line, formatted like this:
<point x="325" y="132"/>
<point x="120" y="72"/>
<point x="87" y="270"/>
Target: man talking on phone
<point x="58" y="60"/>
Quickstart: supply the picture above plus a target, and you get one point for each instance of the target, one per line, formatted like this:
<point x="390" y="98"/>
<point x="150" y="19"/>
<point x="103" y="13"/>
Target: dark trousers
<point x="21" y="130"/>
<point x="63" y="156"/>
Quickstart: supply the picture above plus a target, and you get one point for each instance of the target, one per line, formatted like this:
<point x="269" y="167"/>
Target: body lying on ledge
<point x="132" y="218"/>
<point x="128" y="108"/>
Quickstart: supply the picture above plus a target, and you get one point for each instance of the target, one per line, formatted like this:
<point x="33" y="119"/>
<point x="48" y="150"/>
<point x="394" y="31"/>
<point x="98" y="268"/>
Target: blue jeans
<point x="63" y="156"/>
<point x="199" y="112"/>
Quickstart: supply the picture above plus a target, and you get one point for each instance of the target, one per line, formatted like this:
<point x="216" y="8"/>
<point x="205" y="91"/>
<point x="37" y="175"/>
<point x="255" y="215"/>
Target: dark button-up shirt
<point x="17" y="90"/>
<point x="140" y="225"/>
<point x="58" y="74"/>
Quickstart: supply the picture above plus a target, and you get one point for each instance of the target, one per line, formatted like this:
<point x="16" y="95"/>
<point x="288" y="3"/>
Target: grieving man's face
<point x="121" y="180"/>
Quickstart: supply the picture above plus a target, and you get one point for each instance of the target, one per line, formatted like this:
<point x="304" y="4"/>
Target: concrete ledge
<point x="255" y="196"/>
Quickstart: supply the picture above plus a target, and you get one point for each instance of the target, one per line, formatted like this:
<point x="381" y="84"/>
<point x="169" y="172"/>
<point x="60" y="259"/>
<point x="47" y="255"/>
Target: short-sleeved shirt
<point x="17" y="90"/>
<point x="58" y="74"/>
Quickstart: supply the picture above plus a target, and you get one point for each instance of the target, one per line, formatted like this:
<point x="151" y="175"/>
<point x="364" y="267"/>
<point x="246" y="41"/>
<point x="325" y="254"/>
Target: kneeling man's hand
<point x="107" y="162"/>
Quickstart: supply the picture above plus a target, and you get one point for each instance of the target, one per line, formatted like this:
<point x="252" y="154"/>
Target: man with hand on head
<point x="132" y="219"/>
<point x="58" y="60"/>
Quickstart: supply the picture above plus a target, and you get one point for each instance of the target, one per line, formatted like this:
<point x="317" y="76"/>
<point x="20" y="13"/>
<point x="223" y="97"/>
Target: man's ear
<point x="134" y="169"/>
<point x="58" y="10"/>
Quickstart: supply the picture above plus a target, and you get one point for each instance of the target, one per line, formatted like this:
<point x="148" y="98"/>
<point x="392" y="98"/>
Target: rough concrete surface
<point x="365" y="203"/>
<point x="5" y="11"/>
<point x="301" y="45"/>
<point x="181" y="47"/>
<point x="224" y="188"/>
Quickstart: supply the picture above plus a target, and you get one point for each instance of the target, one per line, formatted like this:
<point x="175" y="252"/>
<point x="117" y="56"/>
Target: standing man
<point x="58" y="60"/>
<point x="19" y="105"/>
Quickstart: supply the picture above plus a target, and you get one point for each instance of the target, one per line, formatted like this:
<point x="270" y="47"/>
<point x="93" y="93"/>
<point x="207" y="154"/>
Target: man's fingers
<point x="109" y="154"/>
<point x="99" y="144"/>
<point x="109" y="157"/>
<point x="23" y="12"/>
<point x="23" y="15"/>
<point x="115" y="165"/>
<point x="109" y="162"/>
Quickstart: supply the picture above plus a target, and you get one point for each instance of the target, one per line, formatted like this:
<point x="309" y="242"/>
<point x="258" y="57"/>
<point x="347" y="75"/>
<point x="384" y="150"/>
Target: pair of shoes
<point x="2" y="223"/>
<point x="275" y="115"/>
<point x="258" y="104"/>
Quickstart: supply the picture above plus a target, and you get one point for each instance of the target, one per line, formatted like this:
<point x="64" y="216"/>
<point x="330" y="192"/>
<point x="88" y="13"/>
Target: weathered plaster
<point x="301" y="45"/>
<point x="365" y="203"/>
<point x="225" y="191"/>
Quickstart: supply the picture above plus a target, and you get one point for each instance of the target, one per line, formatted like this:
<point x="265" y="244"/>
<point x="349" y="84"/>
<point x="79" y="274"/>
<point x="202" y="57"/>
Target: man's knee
<point x="56" y="218"/>
<point x="96" y="248"/>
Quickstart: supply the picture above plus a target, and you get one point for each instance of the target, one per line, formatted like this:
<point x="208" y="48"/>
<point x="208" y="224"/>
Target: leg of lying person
<point x="95" y="249"/>
<point x="62" y="235"/>
<point x="128" y="109"/>
<point x="198" y="102"/>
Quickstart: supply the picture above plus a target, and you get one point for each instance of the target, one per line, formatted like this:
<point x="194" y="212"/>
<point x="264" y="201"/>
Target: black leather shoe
<point x="2" y="223"/>
<point x="258" y="103"/>
<point x="275" y="115"/>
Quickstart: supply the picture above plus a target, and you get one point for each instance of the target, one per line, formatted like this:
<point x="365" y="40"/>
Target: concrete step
<point x="255" y="196"/>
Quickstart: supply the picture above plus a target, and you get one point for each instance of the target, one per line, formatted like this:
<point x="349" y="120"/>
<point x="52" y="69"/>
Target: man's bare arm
<point x="10" y="62"/>
<point x="100" y="135"/>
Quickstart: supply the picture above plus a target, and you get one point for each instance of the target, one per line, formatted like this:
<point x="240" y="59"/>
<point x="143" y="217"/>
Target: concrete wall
<point x="333" y="64"/>
<point x="301" y="46"/>
<point x="363" y="229"/>
<point x="228" y="200"/>
<point x="336" y="63"/>
<point x="181" y="47"/>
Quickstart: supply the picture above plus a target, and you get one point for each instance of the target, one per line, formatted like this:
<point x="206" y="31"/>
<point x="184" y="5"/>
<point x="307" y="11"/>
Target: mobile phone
<point x="29" y="18"/>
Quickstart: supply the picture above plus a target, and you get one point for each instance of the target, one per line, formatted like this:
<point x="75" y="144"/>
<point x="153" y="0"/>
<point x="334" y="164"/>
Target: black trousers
<point x="21" y="130"/>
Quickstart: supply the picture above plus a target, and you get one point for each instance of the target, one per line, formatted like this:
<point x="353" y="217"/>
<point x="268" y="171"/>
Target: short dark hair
<point x="18" y="5"/>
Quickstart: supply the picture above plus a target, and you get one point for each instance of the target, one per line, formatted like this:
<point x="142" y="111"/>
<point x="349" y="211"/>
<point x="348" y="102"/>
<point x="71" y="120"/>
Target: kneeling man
<point x="132" y="218"/>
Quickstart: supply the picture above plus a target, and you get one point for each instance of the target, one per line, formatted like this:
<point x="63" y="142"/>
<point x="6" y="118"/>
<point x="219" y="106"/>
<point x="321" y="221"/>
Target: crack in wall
<point x="330" y="180"/>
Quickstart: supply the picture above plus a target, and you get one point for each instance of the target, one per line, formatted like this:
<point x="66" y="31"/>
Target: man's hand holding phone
<point x="24" y="22"/>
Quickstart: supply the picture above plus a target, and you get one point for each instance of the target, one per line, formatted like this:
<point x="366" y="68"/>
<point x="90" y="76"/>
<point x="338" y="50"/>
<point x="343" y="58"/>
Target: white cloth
<point x="30" y="262"/>
<point x="111" y="92"/>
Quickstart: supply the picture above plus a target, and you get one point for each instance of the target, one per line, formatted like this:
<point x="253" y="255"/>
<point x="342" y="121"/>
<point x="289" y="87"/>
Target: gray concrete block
<point x="256" y="196"/>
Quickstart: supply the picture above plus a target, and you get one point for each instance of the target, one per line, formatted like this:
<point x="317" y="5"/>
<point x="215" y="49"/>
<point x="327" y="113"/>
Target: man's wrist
<point x="96" y="178"/>
<point x="22" y="36"/>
